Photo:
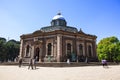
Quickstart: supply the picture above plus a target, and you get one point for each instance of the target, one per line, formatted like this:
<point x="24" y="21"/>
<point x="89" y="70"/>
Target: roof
<point x="54" y="28"/>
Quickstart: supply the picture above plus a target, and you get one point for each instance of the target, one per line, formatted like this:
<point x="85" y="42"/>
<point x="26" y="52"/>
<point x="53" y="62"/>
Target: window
<point x="89" y="51"/>
<point x="80" y="49"/>
<point x="49" y="48"/>
<point x="57" y="22"/>
<point x="52" y="23"/>
<point x="27" y="51"/>
<point x="68" y="48"/>
<point x="37" y="53"/>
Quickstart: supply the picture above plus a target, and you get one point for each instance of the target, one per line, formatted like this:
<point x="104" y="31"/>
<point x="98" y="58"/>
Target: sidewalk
<point x="60" y="73"/>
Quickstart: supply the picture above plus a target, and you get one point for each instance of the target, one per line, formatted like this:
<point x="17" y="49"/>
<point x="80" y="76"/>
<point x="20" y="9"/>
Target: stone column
<point x="21" y="48"/>
<point x="85" y="49"/>
<point x="94" y="48"/>
<point x="32" y="52"/>
<point x="59" y="47"/>
<point x="55" y="50"/>
<point x="52" y="52"/>
<point x="77" y="46"/>
<point x="40" y="54"/>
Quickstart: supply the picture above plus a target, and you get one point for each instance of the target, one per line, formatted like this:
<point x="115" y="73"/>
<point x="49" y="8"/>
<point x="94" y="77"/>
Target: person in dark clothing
<point x="30" y="64"/>
<point x="35" y="61"/>
<point x="20" y="62"/>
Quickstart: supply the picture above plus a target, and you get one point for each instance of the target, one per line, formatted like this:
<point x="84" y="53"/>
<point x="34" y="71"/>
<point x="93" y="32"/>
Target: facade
<point x="57" y="43"/>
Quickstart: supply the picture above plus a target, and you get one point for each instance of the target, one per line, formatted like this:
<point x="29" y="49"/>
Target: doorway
<point x="37" y="53"/>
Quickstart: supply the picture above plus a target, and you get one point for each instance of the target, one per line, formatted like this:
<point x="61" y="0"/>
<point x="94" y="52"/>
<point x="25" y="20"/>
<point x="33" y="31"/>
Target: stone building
<point x="57" y="43"/>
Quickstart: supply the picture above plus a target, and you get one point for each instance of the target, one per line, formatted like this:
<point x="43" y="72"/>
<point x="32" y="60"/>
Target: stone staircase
<point x="60" y="64"/>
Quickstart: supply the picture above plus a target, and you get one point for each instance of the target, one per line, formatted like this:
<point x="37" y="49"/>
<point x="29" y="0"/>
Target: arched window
<point x="57" y="22"/>
<point x="27" y="51"/>
<point x="49" y="48"/>
<point x="89" y="51"/>
<point x="68" y="48"/>
<point x="80" y="49"/>
<point x="52" y="23"/>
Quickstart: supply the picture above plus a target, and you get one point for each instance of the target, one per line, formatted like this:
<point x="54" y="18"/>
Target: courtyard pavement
<point x="60" y="73"/>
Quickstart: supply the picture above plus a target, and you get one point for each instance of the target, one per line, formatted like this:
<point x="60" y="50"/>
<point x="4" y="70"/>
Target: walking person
<point x="20" y="62"/>
<point x="30" y="64"/>
<point x="34" y="62"/>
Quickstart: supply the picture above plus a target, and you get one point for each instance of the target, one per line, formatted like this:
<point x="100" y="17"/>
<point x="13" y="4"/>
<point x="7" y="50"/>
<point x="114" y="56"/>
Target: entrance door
<point x="37" y="54"/>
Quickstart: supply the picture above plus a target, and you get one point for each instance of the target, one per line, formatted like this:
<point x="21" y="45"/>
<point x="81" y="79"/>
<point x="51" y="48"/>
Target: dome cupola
<point x="58" y="20"/>
<point x="58" y="16"/>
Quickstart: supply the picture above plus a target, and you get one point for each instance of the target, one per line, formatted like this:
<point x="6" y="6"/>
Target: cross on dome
<point x="59" y="13"/>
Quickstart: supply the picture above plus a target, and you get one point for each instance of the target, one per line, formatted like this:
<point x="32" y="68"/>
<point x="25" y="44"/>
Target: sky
<point x="96" y="17"/>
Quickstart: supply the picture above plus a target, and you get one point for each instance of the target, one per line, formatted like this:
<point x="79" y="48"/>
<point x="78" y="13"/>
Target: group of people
<point x="32" y="63"/>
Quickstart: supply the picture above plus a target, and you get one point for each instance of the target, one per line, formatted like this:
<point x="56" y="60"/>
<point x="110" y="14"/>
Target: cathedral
<point x="57" y="43"/>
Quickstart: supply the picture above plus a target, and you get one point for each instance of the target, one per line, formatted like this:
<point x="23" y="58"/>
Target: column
<point x="21" y="48"/>
<point x="85" y="49"/>
<point x="40" y="55"/>
<point x="59" y="47"/>
<point x="52" y="52"/>
<point x="94" y="49"/>
<point x="32" y="52"/>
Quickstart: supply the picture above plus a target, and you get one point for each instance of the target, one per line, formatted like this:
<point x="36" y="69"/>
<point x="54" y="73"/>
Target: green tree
<point x="12" y="48"/>
<point x="2" y="49"/>
<point x="109" y="48"/>
<point x="117" y="55"/>
<point x="8" y="50"/>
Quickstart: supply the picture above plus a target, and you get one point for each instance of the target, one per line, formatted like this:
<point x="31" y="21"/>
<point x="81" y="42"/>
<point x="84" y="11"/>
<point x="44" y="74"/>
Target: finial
<point x="59" y="13"/>
<point x="81" y="31"/>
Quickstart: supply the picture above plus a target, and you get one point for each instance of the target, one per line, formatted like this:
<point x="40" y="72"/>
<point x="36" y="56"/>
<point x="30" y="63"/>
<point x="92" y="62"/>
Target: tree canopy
<point x="9" y="50"/>
<point x="109" y="48"/>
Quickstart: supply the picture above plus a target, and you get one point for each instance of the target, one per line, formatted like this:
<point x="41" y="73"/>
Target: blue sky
<point x="97" y="17"/>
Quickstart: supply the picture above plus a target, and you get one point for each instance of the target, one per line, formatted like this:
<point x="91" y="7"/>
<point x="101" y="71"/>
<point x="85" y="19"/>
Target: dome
<point x="58" y="16"/>
<point x="59" y="23"/>
<point x="58" y="20"/>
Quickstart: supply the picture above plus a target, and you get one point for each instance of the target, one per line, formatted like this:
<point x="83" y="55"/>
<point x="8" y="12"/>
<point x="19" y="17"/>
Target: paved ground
<point x="67" y="73"/>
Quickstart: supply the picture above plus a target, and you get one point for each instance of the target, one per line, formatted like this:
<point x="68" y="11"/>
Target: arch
<point x="57" y="22"/>
<point x="27" y="51"/>
<point x="68" y="48"/>
<point x="37" y="53"/>
<point x="81" y="49"/>
<point x="49" y="48"/>
<point x="89" y="51"/>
